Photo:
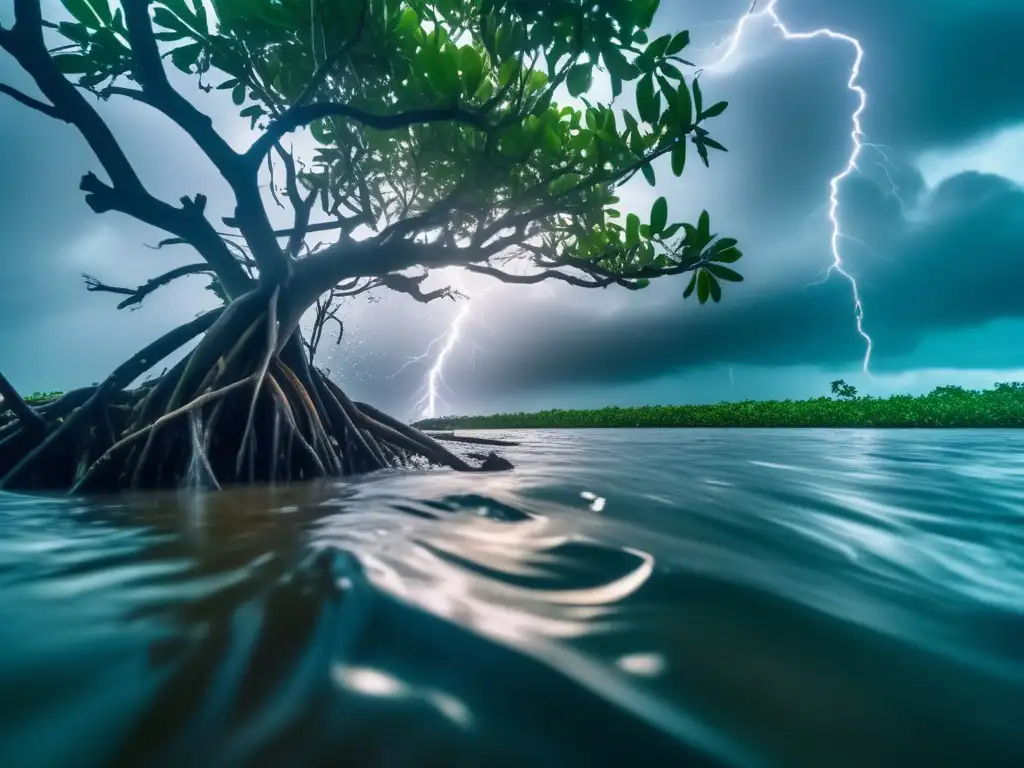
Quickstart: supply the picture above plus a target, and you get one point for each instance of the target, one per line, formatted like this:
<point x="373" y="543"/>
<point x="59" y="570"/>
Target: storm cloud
<point x="958" y="264"/>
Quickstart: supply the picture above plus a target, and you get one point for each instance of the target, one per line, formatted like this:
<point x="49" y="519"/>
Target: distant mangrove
<point x="948" y="406"/>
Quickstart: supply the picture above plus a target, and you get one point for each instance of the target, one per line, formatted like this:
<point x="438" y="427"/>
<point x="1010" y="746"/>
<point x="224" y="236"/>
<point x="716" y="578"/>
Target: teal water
<point x="635" y="597"/>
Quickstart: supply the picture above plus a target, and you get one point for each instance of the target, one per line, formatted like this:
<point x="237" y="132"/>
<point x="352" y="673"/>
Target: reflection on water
<point x="654" y="597"/>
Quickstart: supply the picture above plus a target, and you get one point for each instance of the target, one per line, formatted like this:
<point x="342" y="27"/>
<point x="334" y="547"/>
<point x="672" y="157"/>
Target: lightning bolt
<point x="856" y="137"/>
<point x="428" y="396"/>
<point x="435" y="376"/>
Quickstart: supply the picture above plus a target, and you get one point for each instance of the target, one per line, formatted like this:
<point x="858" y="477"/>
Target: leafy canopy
<point x="439" y="122"/>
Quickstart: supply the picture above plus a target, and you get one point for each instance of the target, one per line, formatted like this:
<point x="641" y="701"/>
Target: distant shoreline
<point x="1001" y="407"/>
<point x="945" y="407"/>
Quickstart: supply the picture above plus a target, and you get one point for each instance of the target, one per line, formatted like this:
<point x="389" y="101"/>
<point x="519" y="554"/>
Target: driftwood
<point x="451" y="437"/>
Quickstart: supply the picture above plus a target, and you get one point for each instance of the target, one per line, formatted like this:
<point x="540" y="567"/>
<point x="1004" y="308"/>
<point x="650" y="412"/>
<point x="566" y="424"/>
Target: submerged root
<point x="264" y="414"/>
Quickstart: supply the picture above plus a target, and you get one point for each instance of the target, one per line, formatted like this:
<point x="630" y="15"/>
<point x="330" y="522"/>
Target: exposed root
<point x="260" y="375"/>
<point x="255" y="410"/>
<point x="151" y="430"/>
<point x="9" y="398"/>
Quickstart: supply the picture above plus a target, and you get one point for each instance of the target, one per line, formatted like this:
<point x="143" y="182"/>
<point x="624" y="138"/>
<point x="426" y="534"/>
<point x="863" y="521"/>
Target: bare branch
<point x="40" y="106"/>
<point x="303" y="206"/>
<point x="136" y="295"/>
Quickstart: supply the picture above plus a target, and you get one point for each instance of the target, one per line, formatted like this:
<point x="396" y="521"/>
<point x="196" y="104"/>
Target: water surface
<point x="651" y="597"/>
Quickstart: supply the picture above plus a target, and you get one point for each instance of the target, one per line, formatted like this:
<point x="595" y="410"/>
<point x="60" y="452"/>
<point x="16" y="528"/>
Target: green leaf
<point x="703" y="289"/>
<point x="679" y="158"/>
<point x="204" y="24"/>
<point x="690" y="286"/>
<point x="714" y="286"/>
<point x="238" y="94"/>
<point x="186" y="56"/>
<point x="632" y="230"/>
<point x="702" y="151"/>
<point x="441" y="70"/>
<point x="507" y="71"/>
<point x="725" y="273"/>
<point x="168" y="20"/>
<point x="72" y="63"/>
<point x="671" y="231"/>
<point x="646" y="104"/>
<point x="552" y="141"/>
<point x="714" y="110"/>
<point x="647" y="18"/>
<point x="679" y="42"/>
<point x="84" y="13"/>
<point x="671" y="70"/>
<point x="728" y="256"/>
<point x="181" y="9"/>
<point x="698" y="97"/>
<point x="76" y="32"/>
<point x="472" y="67"/>
<point x="102" y="9"/>
<point x="618" y="66"/>
<point x="564" y="183"/>
<point x="321" y="130"/>
<point x="704" y="226"/>
<point x="253" y="113"/>
<point x="659" y="215"/>
<point x="656" y="48"/>
<point x="648" y="173"/>
<point x="721" y="245"/>
<point x="684" y="105"/>
<point x="408" y="22"/>
<point x="579" y="79"/>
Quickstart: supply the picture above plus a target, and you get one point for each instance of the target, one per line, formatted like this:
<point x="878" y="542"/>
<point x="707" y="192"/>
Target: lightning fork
<point x="856" y="137"/>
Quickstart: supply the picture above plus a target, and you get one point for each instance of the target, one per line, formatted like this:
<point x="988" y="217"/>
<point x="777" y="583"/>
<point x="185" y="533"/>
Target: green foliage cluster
<point x="435" y="114"/>
<point x="949" y="406"/>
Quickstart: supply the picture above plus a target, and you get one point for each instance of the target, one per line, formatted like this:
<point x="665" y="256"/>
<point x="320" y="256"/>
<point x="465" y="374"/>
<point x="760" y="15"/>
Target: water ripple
<point x="740" y="597"/>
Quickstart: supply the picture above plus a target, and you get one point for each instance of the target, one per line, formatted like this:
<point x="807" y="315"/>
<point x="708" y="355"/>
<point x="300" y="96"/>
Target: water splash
<point x="199" y="475"/>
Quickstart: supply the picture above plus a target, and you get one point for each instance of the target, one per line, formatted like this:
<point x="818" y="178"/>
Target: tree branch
<point x="547" y="274"/>
<point x="411" y="287"/>
<point x="136" y="295"/>
<point x="303" y="206"/>
<point x="304" y="115"/>
<point x="188" y="222"/>
<point x="158" y="92"/>
<point x="127" y="194"/>
<point x="28" y="101"/>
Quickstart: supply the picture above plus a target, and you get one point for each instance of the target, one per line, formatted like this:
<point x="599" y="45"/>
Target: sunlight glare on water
<point x="734" y="597"/>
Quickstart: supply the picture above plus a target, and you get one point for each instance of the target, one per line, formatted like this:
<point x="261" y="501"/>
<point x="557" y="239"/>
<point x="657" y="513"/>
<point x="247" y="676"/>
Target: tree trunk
<point x="244" y="406"/>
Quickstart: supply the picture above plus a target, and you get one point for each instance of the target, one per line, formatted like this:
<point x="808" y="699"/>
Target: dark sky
<point x="935" y="219"/>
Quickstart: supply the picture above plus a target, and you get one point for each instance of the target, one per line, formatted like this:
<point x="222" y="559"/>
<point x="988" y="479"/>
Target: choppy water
<point x="782" y="597"/>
